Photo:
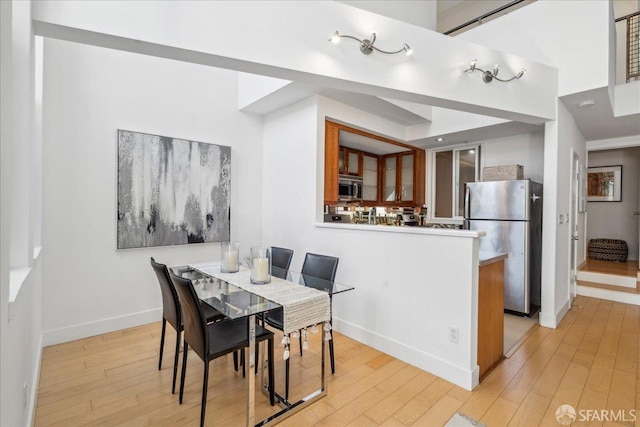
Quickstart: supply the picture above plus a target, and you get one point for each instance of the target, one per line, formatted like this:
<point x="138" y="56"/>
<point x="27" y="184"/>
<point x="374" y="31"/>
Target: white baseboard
<point x="76" y="332"/>
<point x="33" y="396"/>
<point x="552" y="320"/>
<point x="624" y="297"/>
<point x="456" y="374"/>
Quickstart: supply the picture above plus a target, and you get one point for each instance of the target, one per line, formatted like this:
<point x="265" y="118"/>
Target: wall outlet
<point x="453" y="334"/>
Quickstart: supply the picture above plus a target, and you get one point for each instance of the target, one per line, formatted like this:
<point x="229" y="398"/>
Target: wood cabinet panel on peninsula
<point x="490" y="312"/>
<point x="406" y="176"/>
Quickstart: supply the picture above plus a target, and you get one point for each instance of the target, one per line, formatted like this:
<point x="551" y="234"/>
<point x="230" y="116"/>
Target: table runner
<point x="302" y="306"/>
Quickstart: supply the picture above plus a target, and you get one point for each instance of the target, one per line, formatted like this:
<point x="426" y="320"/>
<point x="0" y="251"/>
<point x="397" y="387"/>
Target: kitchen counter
<point x="486" y="258"/>
<point x="403" y="229"/>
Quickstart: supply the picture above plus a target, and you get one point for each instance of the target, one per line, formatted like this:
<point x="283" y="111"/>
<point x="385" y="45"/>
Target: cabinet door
<point x="331" y="167"/>
<point x="370" y="178"/>
<point x="390" y="179"/>
<point x="353" y="162"/>
<point x="342" y="162"/>
<point x="406" y="190"/>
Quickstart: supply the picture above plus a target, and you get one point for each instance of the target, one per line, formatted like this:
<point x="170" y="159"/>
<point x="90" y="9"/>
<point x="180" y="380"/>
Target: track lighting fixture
<point x="489" y="76"/>
<point x="366" y="45"/>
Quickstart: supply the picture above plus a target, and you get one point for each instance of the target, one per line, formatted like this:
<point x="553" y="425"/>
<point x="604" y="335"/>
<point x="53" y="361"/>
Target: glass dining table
<point x="236" y="299"/>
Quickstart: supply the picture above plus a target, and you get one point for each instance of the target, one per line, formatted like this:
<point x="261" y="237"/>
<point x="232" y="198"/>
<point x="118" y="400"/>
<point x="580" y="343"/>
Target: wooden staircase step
<point x="608" y="292"/>
<point x="609" y="287"/>
<point x="630" y="282"/>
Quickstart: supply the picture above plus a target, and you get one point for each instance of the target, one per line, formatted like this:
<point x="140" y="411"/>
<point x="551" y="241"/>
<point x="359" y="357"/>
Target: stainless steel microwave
<point x="349" y="188"/>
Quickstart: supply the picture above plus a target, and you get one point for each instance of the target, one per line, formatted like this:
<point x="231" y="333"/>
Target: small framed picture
<point x="604" y="184"/>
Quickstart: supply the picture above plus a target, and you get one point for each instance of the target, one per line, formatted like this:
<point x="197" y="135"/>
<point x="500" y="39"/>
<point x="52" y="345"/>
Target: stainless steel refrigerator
<point x="510" y="212"/>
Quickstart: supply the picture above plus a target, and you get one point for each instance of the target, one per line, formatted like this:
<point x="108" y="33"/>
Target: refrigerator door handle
<point x="467" y="199"/>
<point x="535" y="197"/>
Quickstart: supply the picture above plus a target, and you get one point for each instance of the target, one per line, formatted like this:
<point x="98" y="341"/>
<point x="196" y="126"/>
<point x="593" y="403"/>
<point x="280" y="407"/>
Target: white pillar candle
<point x="260" y="270"/>
<point x="230" y="261"/>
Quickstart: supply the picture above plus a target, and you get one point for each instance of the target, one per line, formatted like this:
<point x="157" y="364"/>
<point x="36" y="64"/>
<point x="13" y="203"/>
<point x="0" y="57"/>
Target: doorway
<point x="573" y="226"/>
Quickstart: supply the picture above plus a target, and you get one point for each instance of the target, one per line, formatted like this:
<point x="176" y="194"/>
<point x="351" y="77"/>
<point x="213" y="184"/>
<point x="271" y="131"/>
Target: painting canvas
<point x="604" y="184"/>
<point x="171" y="191"/>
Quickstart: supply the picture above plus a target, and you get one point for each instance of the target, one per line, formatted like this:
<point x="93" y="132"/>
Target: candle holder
<point x="230" y="252"/>
<point x="260" y="259"/>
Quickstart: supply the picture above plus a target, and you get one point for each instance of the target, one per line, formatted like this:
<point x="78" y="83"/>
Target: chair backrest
<point x="280" y="258"/>
<point x="320" y="266"/>
<point x="195" y="325"/>
<point x="170" y="303"/>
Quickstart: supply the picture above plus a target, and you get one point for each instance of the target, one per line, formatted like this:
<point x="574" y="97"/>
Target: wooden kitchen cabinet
<point x="331" y="165"/>
<point x="490" y="316"/>
<point x="350" y="162"/>
<point x="370" y="178"/>
<point x="405" y="179"/>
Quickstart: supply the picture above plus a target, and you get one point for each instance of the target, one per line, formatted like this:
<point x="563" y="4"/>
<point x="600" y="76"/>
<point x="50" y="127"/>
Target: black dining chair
<point x="280" y="262"/>
<point x="281" y="259"/>
<point x="323" y="267"/>
<point x="212" y="340"/>
<point x="172" y="313"/>
<point x="315" y="266"/>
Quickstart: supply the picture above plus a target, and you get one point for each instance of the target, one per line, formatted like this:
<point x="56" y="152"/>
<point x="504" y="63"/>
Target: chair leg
<point x="164" y="327"/>
<point x="300" y="341"/>
<point x="205" y="382"/>
<point x="286" y="379"/>
<point x="175" y="363"/>
<point x="333" y="361"/>
<point x="271" y="373"/>
<point x="255" y="363"/>
<point x="184" y="368"/>
<point x="235" y="361"/>
<point x="242" y="363"/>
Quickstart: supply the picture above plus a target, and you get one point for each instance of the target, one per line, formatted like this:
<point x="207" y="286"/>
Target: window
<point x="451" y="170"/>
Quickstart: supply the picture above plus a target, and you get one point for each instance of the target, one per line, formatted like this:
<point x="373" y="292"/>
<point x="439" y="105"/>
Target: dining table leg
<point x="251" y="374"/>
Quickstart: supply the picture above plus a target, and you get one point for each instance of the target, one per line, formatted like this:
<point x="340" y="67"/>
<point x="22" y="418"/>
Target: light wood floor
<point x="590" y="362"/>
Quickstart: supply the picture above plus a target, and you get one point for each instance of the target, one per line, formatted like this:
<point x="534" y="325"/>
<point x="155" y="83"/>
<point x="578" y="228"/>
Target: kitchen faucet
<point x="373" y="216"/>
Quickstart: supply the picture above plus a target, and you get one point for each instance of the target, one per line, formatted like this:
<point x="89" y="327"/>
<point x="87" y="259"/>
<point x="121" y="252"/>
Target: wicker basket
<point x="502" y="173"/>
<point x="608" y="249"/>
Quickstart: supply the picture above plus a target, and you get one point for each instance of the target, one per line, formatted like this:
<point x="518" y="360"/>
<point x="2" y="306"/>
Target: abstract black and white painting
<point x="171" y="191"/>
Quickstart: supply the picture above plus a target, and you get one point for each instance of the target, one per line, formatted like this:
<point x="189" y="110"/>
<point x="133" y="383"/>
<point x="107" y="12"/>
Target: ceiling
<point x="370" y="145"/>
<point x="595" y="123"/>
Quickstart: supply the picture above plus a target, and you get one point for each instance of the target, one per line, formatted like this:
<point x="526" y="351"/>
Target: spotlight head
<point x="407" y="50"/>
<point x="521" y="73"/>
<point x="335" y="38"/>
<point x="496" y="68"/>
<point x="472" y="64"/>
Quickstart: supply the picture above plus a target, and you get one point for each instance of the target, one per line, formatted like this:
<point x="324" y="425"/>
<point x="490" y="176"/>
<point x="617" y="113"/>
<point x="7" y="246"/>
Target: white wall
<point x="613" y="220"/>
<point x="408" y="286"/>
<point x="561" y="139"/>
<point x="90" y="93"/>
<point x="465" y="11"/>
<point x="433" y="75"/>
<point x="525" y="149"/>
<point x="20" y="268"/>
<point x="416" y="12"/>
<point x="564" y="34"/>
